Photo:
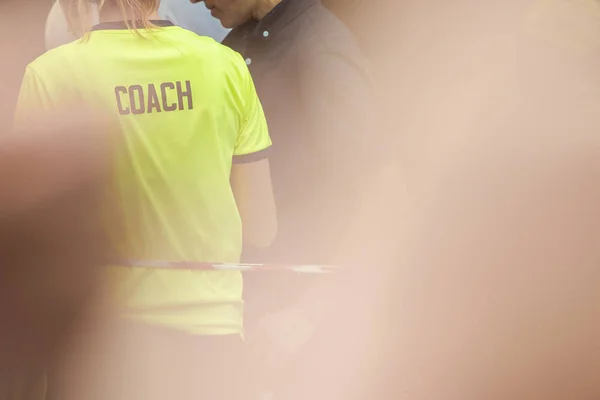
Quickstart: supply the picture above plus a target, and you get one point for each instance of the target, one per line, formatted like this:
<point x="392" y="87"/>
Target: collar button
<point x="266" y="34"/>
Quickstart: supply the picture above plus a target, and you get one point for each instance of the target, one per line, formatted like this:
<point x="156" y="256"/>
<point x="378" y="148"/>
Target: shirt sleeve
<point x="337" y="92"/>
<point x="253" y="140"/>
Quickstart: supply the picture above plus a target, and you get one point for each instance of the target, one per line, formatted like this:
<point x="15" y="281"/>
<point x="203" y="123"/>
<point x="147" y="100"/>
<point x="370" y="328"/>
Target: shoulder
<point x="207" y="45"/>
<point x="231" y="60"/>
<point x="327" y="41"/>
<point x="328" y="31"/>
<point x="57" y="61"/>
<point x="194" y="17"/>
<point x="223" y="61"/>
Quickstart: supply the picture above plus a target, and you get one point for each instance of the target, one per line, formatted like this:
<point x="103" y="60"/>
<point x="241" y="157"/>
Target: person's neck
<point x="263" y="7"/>
<point x="115" y="16"/>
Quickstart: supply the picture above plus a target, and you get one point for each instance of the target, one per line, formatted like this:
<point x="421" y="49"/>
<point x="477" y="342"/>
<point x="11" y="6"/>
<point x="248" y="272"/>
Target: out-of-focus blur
<point x="51" y="241"/>
<point x="486" y="245"/>
<point x="478" y="244"/>
<point x="51" y="238"/>
<point x="22" y="47"/>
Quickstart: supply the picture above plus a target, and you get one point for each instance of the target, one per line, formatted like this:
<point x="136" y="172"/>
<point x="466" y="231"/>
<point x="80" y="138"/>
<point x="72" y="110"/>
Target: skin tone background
<point x="494" y="295"/>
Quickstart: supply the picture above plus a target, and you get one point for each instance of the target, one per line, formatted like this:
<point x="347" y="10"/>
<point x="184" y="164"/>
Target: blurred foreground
<point x="480" y="253"/>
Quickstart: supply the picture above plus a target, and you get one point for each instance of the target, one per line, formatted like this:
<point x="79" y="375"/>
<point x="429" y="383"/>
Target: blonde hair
<point x="135" y="13"/>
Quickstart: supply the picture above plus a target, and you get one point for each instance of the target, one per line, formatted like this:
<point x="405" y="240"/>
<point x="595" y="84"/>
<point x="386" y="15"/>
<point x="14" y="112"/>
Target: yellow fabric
<point x="194" y="107"/>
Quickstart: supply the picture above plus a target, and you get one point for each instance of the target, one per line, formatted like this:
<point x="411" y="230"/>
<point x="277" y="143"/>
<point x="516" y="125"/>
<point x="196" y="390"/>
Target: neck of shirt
<point x="280" y="16"/>
<point x="111" y="15"/>
<point x="123" y="25"/>
<point x="265" y="7"/>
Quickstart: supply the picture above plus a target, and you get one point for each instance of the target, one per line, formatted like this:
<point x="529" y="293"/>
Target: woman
<point x="190" y="122"/>
<point x="196" y="18"/>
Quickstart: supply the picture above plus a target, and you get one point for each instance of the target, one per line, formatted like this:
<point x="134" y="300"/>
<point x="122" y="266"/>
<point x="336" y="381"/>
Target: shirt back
<point x="187" y="108"/>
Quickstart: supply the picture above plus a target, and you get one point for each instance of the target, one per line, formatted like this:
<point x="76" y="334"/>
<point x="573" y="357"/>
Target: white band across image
<point x="208" y="266"/>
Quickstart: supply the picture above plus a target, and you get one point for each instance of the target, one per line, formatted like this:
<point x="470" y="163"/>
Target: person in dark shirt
<point x="314" y="85"/>
<point x="495" y="295"/>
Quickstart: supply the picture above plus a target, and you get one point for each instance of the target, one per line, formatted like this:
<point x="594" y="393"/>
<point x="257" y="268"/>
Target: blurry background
<point x="22" y="32"/>
<point x="435" y="65"/>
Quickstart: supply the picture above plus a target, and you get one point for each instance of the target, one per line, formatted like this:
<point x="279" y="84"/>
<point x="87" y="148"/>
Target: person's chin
<point x="227" y="24"/>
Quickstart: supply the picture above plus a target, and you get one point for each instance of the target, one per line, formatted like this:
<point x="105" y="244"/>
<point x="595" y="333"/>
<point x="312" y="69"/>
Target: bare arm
<point x="251" y="184"/>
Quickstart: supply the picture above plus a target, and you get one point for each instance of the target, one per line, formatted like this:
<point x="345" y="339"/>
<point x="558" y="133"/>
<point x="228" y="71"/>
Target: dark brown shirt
<point x="314" y="85"/>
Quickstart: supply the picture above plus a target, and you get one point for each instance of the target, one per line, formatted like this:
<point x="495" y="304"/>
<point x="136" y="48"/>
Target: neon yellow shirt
<point x="188" y="109"/>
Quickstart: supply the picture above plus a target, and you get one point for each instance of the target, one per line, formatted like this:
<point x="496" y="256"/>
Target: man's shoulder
<point x="325" y="34"/>
<point x="237" y="37"/>
<point x="324" y="26"/>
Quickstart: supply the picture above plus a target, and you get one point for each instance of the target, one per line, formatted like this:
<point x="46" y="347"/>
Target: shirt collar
<point x="278" y="18"/>
<point x="119" y="25"/>
<point x="283" y="14"/>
